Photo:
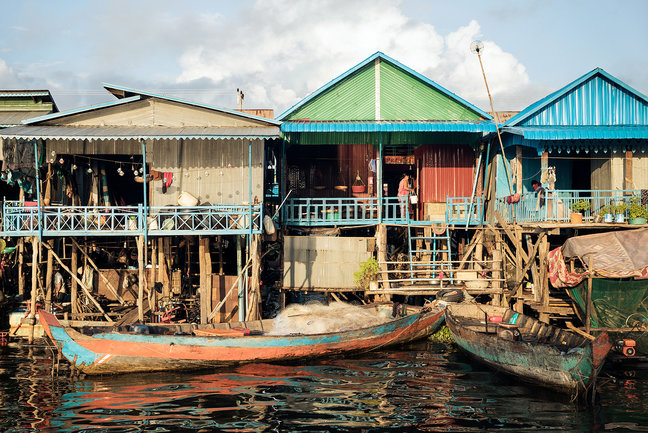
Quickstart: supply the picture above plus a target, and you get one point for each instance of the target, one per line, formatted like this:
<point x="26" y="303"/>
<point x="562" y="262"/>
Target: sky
<point x="279" y="51"/>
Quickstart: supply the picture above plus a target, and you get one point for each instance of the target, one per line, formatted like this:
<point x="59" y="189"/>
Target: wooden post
<point x="543" y="278"/>
<point x="141" y="278"/>
<point x="518" y="169"/>
<point x="219" y="239"/>
<point x="73" y="291"/>
<point x="544" y="164"/>
<point x="107" y="282"/>
<point x="629" y="182"/>
<point x="497" y="273"/>
<point x="588" y="305"/>
<point x="154" y="266"/>
<point x="204" y="261"/>
<point x="519" y="276"/>
<point x="166" y="282"/>
<point x="34" y="276"/>
<point x="21" y="270"/>
<point x="48" y="277"/>
<point x="85" y="289"/>
<point x="160" y="260"/>
<point x="255" y="286"/>
<point x="381" y="245"/>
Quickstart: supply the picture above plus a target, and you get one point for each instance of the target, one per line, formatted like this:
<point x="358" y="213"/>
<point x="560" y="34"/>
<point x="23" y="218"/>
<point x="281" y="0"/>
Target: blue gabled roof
<point x="595" y="99"/>
<point x="395" y="63"/>
<point x="185" y="101"/>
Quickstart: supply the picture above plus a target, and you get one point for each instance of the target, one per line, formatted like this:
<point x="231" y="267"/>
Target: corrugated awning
<point x="388" y="126"/>
<point x="136" y="133"/>
<point x="625" y="132"/>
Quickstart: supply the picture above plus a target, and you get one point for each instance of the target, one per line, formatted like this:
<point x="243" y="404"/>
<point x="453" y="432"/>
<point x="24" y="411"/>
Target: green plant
<point x="368" y="272"/>
<point x="607" y="209"/>
<point x="636" y="210"/>
<point x="619" y="208"/>
<point x="580" y="206"/>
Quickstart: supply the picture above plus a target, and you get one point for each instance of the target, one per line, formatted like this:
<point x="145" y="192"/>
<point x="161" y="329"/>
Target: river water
<point x="422" y="387"/>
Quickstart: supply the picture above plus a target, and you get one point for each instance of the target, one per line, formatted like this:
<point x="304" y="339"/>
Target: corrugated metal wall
<point x="324" y="262"/>
<point x="445" y="170"/>
<point x="214" y="171"/>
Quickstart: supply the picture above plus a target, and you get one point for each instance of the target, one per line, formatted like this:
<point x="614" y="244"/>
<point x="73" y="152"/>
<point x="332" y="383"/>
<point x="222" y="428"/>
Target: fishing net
<point x="316" y="318"/>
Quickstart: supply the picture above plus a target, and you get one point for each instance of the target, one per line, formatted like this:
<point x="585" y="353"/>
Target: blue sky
<point x="278" y="51"/>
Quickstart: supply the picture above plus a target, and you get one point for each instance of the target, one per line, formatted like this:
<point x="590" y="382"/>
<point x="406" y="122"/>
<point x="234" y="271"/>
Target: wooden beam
<point x="571" y="327"/>
<point x="74" y="286"/>
<point x="528" y="264"/>
<point x="96" y="268"/>
<point x="629" y="181"/>
<point x="473" y="243"/>
<point x="511" y="236"/>
<point x="588" y="305"/>
<point x="229" y="292"/>
<point x="83" y="286"/>
<point x="48" y="277"/>
<point x="141" y="281"/>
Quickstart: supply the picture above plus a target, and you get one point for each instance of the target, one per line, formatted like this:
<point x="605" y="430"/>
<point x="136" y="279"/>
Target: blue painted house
<point x="586" y="141"/>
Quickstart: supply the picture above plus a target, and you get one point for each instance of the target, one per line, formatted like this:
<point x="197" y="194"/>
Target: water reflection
<point x="421" y="388"/>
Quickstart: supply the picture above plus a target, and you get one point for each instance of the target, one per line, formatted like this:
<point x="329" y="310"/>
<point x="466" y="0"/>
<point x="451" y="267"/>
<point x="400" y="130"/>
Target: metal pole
<point x="472" y="197"/>
<point x="380" y="178"/>
<point x="499" y="137"/>
<point x="38" y="200"/>
<point x="145" y="197"/>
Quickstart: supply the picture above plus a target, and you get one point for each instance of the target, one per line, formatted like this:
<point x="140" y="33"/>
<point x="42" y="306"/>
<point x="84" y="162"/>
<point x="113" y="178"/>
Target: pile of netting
<point x="316" y="318"/>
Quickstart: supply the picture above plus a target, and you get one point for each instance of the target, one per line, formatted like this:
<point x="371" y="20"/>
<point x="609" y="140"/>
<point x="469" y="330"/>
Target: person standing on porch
<point x="404" y="191"/>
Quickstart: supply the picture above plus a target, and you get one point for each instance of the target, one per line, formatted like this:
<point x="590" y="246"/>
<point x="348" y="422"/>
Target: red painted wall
<point x="445" y="170"/>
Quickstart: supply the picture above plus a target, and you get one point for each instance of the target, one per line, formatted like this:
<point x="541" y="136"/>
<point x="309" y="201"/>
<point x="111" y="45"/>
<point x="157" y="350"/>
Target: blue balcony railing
<point x="344" y="211"/>
<point x="21" y="220"/>
<point x="558" y="204"/>
<point x="464" y="210"/>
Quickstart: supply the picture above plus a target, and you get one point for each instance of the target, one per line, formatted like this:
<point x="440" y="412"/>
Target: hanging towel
<point x="167" y="180"/>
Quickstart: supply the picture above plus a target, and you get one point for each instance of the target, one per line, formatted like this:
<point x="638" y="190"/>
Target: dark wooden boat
<point x="108" y="352"/>
<point x="527" y="348"/>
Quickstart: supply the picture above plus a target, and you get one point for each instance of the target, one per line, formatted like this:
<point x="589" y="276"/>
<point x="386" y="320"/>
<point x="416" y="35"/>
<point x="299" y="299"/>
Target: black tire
<point x="450" y="295"/>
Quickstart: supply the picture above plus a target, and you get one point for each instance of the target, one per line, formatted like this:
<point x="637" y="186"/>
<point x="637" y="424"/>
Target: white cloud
<point x="280" y="51"/>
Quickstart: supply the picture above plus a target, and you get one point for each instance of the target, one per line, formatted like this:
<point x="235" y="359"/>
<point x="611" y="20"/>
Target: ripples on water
<point x="419" y="388"/>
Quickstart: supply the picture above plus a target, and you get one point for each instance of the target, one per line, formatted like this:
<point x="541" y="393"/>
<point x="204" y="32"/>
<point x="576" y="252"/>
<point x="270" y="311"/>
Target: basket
<point x="358" y="184"/>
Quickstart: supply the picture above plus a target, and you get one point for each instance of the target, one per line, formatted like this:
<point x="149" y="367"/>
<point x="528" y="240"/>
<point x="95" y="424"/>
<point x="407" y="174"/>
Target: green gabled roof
<point x="403" y="95"/>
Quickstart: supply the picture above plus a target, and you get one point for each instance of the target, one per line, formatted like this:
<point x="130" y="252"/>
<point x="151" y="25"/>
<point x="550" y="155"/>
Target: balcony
<point x="19" y="219"/>
<point x="345" y="211"/>
<point x="558" y="205"/>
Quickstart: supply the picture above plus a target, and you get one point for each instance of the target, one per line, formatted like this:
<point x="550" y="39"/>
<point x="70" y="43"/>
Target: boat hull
<point x="111" y="353"/>
<point x="563" y="369"/>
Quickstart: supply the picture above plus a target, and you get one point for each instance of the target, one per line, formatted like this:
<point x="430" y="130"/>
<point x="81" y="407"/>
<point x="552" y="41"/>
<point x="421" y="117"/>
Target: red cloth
<point x="558" y="273"/>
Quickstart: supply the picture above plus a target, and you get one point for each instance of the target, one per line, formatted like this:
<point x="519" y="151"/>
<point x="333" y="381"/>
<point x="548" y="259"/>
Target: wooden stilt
<point x="73" y="290"/>
<point x="141" y="278"/>
<point x="543" y="252"/>
<point x="204" y="258"/>
<point x="255" y="287"/>
<point x="48" y="277"/>
<point x="107" y="282"/>
<point x="86" y="290"/>
<point x="381" y="245"/>
<point x="219" y="239"/>
<point x="588" y="305"/>
<point x="160" y="260"/>
<point x="34" y="287"/>
<point x="154" y="263"/>
<point x="21" y="270"/>
<point x="497" y="274"/>
<point x="166" y="282"/>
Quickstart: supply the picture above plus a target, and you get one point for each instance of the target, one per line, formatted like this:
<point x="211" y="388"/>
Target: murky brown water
<point x="418" y="388"/>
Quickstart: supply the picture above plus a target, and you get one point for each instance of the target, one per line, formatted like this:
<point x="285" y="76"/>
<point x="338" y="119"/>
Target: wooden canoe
<point x="527" y="348"/>
<point x="108" y="352"/>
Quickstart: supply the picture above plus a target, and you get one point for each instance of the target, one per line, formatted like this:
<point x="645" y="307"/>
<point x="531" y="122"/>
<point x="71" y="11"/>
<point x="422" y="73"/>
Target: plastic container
<point x="186" y="199"/>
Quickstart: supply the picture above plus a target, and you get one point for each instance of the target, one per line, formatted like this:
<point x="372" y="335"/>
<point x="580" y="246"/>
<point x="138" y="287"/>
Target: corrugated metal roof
<point x="628" y="132"/>
<point x="81" y="110"/>
<point x="135" y="133"/>
<point x="185" y="101"/>
<point x="367" y="61"/>
<point x="19" y="93"/>
<point x="13" y="118"/>
<point x="389" y="126"/>
<point x="596" y="98"/>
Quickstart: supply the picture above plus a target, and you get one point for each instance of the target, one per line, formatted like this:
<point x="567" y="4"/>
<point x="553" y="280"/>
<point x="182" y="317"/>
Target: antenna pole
<point x="499" y="137"/>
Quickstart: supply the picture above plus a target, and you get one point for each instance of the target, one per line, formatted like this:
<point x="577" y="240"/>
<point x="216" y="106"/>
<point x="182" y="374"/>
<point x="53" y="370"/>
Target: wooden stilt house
<point x="345" y="149"/>
<point x="155" y="200"/>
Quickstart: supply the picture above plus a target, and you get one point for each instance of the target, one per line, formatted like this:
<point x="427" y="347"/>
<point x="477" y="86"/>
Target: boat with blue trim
<point x="142" y="348"/>
<point x="530" y="350"/>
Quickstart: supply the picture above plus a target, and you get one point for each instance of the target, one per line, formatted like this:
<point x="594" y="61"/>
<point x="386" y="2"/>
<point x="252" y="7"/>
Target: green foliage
<point x="619" y="208"/>
<point x="368" y="272"/>
<point x="580" y="205"/>
<point x="443" y="335"/>
<point x="607" y="209"/>
<point x="636" y="210"/>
